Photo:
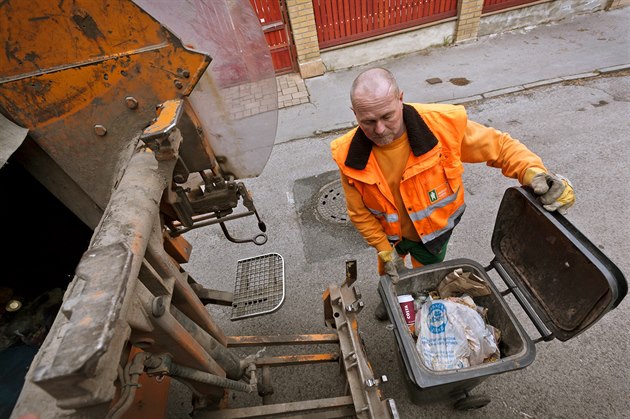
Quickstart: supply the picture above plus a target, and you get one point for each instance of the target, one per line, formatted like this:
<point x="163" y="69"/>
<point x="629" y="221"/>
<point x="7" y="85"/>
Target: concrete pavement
<point x="582" y="46"/>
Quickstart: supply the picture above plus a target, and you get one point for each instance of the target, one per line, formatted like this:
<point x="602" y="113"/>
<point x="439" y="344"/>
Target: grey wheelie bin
<point x="563" y="282"/>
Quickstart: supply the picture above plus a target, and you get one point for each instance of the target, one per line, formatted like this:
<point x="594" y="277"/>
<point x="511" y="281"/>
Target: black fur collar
<point x="421" y="139"/>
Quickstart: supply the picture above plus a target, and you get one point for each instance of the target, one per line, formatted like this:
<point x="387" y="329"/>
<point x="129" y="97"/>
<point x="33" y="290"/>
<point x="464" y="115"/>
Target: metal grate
<point x="259" y="287"/>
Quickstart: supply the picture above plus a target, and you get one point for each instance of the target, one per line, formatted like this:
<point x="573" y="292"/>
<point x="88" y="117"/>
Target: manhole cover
<point x="331" y="203"/>
<point x="326" y="230"/>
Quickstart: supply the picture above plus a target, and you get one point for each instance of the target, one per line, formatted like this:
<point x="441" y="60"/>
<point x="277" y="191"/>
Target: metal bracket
<point x="362" y="383"/>
<point x="157" y="136"/>
<point x="351" y="273"/>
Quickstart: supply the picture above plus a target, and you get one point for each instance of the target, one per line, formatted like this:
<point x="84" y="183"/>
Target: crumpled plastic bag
<point x="460" y="282"/>
<point x="453" y="336"/>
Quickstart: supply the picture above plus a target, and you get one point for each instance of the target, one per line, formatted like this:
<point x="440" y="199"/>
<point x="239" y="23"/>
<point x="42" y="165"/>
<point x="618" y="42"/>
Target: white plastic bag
<point x="453" y="336"/>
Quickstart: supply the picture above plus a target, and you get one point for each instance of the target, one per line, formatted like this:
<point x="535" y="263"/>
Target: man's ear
<point x="352" y="109"/>
<point x="401" y="95"/>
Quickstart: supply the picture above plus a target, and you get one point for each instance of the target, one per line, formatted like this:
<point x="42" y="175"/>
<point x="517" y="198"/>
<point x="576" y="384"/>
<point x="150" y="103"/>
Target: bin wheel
<point x="471" y="403"/>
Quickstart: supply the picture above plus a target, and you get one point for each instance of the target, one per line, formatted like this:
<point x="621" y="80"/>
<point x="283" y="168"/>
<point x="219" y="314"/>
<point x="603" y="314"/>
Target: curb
<point x="487" y="95"/>
<point x="522" y="87"/>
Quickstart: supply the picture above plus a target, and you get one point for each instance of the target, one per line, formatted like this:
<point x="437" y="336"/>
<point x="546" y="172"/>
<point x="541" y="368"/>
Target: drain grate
<point x="259" y="287"/>
<point x="331" y="203"/>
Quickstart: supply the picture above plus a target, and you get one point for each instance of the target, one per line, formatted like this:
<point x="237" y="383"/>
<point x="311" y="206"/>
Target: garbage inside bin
<point x="407" y="306"/>
<point x="452" y="330"/>
<point x="454" y="335"/>
<point x="563" y="282"/>
<point x="459" y="282"/>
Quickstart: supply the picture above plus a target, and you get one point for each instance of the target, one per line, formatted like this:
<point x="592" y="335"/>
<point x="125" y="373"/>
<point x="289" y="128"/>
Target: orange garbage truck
<point x="123" y="125"/>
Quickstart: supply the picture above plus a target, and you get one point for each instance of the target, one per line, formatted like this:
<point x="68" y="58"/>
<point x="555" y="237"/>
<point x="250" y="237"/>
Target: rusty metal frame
<point x="127" y="291"/>
<point x="341" y="306"/>
<point x="335" y="407"/>
<point x="157" y="309"/>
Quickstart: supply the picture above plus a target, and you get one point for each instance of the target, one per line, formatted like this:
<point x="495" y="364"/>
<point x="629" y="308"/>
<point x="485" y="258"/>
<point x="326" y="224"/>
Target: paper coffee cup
<point x="406" y="305"/>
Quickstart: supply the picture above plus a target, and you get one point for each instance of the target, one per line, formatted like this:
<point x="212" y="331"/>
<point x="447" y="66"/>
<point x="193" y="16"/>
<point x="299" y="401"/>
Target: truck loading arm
<point x="125" y="292"/>
<point x="88" y="100"/>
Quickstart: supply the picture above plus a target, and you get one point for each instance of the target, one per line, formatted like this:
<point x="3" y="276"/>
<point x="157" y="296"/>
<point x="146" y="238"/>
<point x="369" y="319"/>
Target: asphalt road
<point x="580" y="129"/>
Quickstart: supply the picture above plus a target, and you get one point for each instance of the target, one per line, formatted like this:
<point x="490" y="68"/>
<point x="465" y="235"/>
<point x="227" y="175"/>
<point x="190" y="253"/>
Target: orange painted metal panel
<point x="92" y="38"/>
<point x="151" y="399"/>
<point x="62" y="94"/>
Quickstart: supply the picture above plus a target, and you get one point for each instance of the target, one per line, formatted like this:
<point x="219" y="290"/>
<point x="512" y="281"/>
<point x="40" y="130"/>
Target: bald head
<point x="377" y="103"/>
<point x="373" y="83"/>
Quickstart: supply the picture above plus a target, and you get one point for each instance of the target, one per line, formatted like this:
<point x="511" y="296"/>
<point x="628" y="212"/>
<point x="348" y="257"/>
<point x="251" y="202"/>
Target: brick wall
<point x="469" y="14"/>
<point x="304" y="31"/>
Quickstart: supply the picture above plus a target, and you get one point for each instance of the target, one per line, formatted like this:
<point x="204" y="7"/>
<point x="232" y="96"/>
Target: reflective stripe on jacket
<point x="431" y="184"/>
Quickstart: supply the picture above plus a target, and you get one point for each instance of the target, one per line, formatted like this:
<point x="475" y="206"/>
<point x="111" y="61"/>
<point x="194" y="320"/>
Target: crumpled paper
<point x="460" y="282"/>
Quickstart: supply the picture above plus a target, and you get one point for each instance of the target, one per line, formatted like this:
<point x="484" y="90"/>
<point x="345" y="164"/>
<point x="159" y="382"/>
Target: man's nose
<point x="379" y="128"/>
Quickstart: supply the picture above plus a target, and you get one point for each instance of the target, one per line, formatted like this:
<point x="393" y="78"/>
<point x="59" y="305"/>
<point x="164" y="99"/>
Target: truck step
<point x="259" y="287"/>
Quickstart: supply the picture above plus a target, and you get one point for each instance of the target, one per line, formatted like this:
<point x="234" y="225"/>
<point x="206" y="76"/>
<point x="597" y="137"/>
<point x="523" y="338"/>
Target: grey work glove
<point x="556" y="192"/>
<point x="392" y="263"/>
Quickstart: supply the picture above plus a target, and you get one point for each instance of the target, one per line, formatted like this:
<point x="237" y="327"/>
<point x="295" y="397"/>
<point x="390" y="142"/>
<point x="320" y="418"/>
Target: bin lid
<point x="566" y="279"/>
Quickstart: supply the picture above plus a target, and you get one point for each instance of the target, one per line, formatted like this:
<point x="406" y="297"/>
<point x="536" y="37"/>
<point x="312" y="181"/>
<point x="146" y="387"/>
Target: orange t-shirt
<point x="392" y="159"/>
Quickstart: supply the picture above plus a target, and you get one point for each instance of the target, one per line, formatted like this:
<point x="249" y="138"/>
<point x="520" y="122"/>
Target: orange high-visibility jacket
<point x="441" y="138"/>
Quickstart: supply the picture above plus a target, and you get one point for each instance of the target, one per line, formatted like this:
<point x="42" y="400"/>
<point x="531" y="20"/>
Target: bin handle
<point x="545" y="334"/>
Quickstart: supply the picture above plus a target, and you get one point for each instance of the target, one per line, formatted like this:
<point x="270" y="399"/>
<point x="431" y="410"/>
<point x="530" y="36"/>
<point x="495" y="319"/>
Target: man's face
<point x="380" y="117"/>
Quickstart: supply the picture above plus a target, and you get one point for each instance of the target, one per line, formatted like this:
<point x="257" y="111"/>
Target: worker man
<point x="401" y="170"/>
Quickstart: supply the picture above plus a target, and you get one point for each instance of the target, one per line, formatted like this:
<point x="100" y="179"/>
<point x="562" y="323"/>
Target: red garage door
<point x="343" y="21"/>
<point x="274" y="21"/>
